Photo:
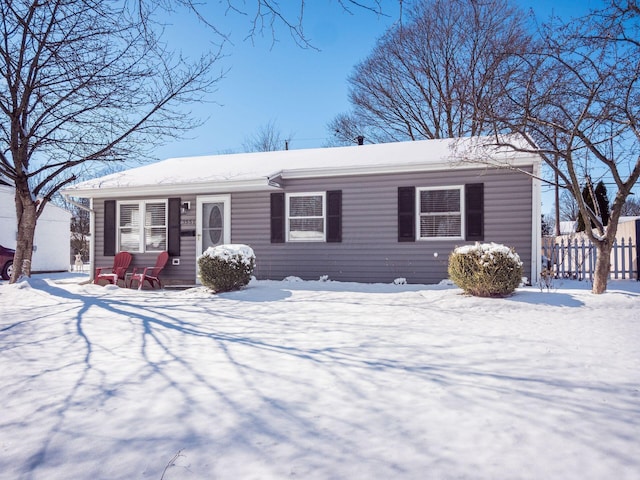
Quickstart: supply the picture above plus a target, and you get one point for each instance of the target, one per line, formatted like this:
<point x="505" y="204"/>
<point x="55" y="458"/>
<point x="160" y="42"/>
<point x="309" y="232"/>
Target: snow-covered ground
<point x="318" y="380"/>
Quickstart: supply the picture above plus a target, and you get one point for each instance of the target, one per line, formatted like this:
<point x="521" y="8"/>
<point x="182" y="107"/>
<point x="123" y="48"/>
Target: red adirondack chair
<point x="150" y="274"/>
<point x="120" y="265"/>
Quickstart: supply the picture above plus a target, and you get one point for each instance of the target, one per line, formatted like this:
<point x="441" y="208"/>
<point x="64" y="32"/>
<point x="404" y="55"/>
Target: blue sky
<point x="298" y="89"/>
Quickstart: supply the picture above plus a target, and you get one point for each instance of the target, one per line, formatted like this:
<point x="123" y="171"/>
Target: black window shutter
<point x="173" y="235"/>
<point x="406" y="214"/>
<point x="109" y="228"/>
<point x="334" y="216"/>
<point x="277" y="217"/>
<point x="474" y="206"/>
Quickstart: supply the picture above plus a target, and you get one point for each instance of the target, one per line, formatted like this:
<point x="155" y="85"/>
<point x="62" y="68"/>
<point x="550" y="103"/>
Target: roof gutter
<point x="527" y="161"/>
<point x="275" y="180"/>
<point x="215" y="186"/>
<point x="67" y="198"/>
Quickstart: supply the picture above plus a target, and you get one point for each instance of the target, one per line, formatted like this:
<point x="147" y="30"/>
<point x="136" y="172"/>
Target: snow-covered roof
<point x="52" y="212"/>
<point x="251" y="171"/>
<point x="568" y="226"/>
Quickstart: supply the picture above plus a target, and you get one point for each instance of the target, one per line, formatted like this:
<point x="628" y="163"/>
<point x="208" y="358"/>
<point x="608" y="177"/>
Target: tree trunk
<point x="603" y="266"/>
<point x="26" y="212"/>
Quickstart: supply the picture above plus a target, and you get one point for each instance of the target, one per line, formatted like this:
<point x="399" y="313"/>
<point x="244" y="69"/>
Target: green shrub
<point x="226" y="267"/>
<point x="485" y="270"/>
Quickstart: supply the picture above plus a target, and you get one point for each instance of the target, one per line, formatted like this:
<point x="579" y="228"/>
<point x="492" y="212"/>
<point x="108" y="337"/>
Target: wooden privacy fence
<point x="576" y="258"/>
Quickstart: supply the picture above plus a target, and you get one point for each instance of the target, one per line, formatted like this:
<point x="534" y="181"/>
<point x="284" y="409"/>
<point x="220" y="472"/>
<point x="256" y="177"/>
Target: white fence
<point x="576" y="258"/>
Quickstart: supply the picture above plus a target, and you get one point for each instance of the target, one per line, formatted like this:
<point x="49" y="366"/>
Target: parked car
<point x="6" y="262"/>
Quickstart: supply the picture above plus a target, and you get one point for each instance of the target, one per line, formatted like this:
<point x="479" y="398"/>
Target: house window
<point x="137" y="235"/>
<point x="440" y="213"/>
<point x="306" y="217"/>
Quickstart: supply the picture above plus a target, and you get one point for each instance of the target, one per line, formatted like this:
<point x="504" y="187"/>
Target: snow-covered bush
<point x="485" y="269"/>
<point x="292" y="278"/>
<point x="226" y="267"/>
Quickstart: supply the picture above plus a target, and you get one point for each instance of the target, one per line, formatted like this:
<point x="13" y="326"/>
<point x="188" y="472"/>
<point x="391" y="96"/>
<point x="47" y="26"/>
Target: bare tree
<point x="576" y="103"/>
<point x="631" y="207"/>
<point x="431" y="76"/>
<point x="91" y="81"/>
<point x="569" y="210"/>
<point x="268" y="138"/>
<point x="80" y="229"/>
<point x="268" y="14"/>
<point x="82" y="82"/>
<point x="346" y="127"/>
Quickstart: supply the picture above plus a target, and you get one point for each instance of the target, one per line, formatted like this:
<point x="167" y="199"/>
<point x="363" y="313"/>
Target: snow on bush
<point x="292" y="278"/>
<point x="485" y="269"/>
<point x="226" y="267"/>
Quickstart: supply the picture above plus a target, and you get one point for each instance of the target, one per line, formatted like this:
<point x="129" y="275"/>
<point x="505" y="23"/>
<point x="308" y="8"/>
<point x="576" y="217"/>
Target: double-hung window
<point x="440" y="213"/>
<point x="142" y="226"/>
<point x="306" y="219"/>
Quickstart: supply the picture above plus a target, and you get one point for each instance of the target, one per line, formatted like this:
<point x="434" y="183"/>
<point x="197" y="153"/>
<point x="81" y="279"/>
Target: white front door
<point x="213" y="222"/>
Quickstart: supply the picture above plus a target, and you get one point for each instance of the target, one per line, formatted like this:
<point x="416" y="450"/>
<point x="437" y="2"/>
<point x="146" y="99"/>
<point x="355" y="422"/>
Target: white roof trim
<point x="399" y="168"/>
<point x="261" y="170"/>
<point x="171" y="189"/>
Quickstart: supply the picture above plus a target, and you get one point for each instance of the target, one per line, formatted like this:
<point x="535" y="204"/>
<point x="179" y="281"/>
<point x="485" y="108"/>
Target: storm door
<point x="213" y="222"/>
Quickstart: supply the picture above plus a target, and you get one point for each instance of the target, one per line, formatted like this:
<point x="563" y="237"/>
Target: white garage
<point x="53" y="233"/>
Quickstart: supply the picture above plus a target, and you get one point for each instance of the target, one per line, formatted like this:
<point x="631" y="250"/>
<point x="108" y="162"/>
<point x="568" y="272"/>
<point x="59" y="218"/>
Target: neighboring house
<point x="52" y="237"/>
<point x="567" y="227"/>
<point x="626" y="229"/>
<point x="370" y="213"/>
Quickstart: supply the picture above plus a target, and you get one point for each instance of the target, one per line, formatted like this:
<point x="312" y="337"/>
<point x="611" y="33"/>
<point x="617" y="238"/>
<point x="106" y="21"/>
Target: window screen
<point x="155" y="227"/>
<point x="306" y="217"/>
<point x="137" y="236"/>
<point x="440" y="213"/>
<point x="129" y="227"/>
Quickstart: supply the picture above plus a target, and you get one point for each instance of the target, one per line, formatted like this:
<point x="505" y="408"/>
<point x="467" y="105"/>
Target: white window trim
<point x="324" y="217"/>
<point x="142" y="208"/>
<point x="419" y="191"/>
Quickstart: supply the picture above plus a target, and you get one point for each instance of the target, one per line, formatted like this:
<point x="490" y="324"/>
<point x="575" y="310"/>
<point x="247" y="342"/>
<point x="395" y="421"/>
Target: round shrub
<point x="226" y="267"/>
<point x="485" y="269"/>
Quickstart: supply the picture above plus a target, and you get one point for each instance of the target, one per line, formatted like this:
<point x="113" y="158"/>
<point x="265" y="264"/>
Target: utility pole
<point x="557" y="193"/>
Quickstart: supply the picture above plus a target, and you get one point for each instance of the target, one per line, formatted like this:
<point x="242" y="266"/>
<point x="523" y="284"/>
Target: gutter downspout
<point x="536" y="227"/>
<point x="92" y="229"/>
<point x="275" y="180"/>
<point x="92" y="240"/>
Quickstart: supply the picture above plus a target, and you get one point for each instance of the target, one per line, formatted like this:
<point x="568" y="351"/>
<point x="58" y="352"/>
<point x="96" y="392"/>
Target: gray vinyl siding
<point x="369" y="251"/>
<point x="186" y="272"/>
<point x="183" y="273"/>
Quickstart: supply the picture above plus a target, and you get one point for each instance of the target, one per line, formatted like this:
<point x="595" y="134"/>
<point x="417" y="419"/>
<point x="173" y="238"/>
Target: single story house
<point x="366" y="213"/>
<point x="52" y="240"/>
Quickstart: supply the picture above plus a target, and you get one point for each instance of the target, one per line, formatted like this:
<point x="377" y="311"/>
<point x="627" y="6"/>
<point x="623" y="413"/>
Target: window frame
<point x="288" y="217"/>
<point x="420" y="214"/>
<point x="142" y="238"/>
